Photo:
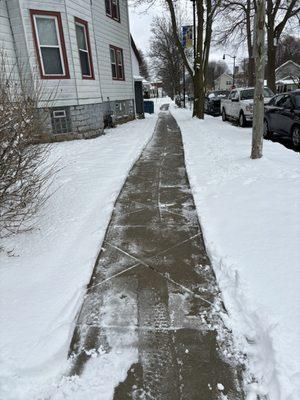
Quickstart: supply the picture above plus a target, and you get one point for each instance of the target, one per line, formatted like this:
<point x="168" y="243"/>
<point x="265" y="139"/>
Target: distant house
<point x="138" y="79"/>
<point x="287" y="77"/>
<point x="81" y="52"/>
<point x="224" y="82"/>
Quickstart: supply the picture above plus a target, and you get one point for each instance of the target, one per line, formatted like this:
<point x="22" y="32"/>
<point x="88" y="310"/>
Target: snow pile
<point x="43" y="284"/>
<point x="249" y="211"/>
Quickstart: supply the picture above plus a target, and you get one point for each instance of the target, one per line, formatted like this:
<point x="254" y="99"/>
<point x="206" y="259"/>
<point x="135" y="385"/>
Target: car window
<point x="297" y="101"/>
<point x="285" y="102"/>
<point x="268" y="92"/>
<point x="277" y="99"/>
<point x="272" y="101"/>
<point x="247" y="94"/>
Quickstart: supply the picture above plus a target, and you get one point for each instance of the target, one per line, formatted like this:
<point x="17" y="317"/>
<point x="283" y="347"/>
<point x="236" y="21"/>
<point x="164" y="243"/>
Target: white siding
<point x="6" y="37"/>
<point x="103" y="30"/>
<point x="135" y="65"/>
<point x="62" y="91"/>
<point x="89" y="91"/>
<point x="110" y="32"/>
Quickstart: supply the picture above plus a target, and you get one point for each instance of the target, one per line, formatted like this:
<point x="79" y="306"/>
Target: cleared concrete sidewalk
<point x="154" y="253"/>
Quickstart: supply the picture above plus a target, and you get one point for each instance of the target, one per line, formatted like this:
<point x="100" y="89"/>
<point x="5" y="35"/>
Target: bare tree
<point x="288" y="48"/>
<point x="279" y="14"/>
<point x="214" y="70"/>
<point x="166" y="62"/>
<point x="237" y="27"/>
<point x="205" y="12"/>
<point x="24" y="172"/>
<point x="258" y="112"/>
<point x="144" y="69"/>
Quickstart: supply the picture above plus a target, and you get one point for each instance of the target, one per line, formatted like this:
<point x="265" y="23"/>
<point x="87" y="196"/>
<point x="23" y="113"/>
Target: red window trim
<point x="115" y="48"/>
<point x="86" y="25"/>
<point x="62" y="43"/>
<point x="110" y="15"/>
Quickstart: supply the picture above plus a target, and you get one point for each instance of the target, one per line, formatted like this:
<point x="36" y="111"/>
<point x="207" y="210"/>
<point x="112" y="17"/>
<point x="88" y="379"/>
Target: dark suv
<point x="212" y="102"/>
<point x="282" y="116"/>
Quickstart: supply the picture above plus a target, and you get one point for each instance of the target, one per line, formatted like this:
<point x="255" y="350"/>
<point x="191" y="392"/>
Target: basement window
<point x="61" y="122"/>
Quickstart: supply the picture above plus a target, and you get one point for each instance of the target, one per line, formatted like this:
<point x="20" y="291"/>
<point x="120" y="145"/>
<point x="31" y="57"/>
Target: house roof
<point x="286" y="63"/>
<point x="224" y="74"/>
<point x="287" y="81"/>
<point x="135" y="50"/>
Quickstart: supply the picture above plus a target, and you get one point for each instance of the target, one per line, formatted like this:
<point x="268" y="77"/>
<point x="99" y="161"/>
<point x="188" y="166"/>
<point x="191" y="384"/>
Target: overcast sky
<point x="140" y="21"/>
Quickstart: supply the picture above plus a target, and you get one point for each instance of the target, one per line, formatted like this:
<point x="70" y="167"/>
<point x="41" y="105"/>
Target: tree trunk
<point x="198" y="109"/>
<point x="251" y="69"/>
<point x="271" y="66"/>
<point x="258" y="114"/>
<point x="251" y="66"/>
<point x="198" y="78"/>
<point x="271" y="49"/>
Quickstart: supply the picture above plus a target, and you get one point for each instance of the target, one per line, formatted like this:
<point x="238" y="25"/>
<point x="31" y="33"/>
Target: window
<point x="285" y="102"/>
<point x="61" y="120"/>
<point x="112" y="9"/>
<point x="84" y="49"/>
<point x="233" y="94"/>
<point x="117" y="65"/>
<point x="49" y="44"/>
<point x="297" y="100"/>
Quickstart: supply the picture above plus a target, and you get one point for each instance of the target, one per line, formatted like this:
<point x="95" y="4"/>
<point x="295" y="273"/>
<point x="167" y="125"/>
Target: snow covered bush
<point x="24" y="174"/>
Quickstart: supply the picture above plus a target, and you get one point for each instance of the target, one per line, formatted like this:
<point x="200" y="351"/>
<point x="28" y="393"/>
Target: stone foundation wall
<point x="83" y="121"/>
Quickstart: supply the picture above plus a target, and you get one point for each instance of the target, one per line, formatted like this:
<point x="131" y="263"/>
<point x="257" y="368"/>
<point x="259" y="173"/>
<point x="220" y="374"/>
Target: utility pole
<point x="233" y="72"/>
<point x="259" y="55"/>
<point x="184" y="88"/>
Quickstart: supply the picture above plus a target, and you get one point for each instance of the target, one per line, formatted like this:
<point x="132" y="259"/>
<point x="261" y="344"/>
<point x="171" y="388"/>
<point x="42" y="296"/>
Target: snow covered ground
<point x="43" y="285"/>
<point x="250" y="214"/>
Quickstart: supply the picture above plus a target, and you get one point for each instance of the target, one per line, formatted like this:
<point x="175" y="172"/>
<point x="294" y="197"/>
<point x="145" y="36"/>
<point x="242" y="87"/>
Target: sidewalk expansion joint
<point x="163" y="275"/>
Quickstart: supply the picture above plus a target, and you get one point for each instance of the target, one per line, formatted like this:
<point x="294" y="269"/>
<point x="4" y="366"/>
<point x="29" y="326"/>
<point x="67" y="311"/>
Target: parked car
<point x="212" y="102"/>
<point x="239" y="104"/>
<point x="282" y="116"/>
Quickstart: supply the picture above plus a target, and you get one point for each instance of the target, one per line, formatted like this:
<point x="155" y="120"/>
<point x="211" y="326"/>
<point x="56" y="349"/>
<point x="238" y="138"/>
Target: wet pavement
<point x="153" y="289"/>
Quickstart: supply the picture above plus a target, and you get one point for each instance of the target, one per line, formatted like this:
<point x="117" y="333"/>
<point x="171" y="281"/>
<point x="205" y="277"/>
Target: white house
<point x="80" y="50"/>
<point x="287" y="77"/>
<point x="224" y="82"/>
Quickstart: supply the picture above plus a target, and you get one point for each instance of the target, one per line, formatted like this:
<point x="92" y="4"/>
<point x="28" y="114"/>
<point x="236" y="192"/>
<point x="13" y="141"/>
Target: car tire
<point x="296" y="136"/>
<point x="242" y="120"/>
<point x="224" y="116"/>
<point x="267" y="133"/>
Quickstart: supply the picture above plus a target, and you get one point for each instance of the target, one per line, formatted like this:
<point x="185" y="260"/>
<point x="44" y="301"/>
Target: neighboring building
<point x="138" y="80"/>
<point x="287" y="77"/>
<point x="224" y="82"/>
<point x="81" y="52"/>
<point x="153" y="89"/>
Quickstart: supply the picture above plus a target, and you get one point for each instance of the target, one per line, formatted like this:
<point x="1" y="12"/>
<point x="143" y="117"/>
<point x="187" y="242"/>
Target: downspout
<point x="75" y="80"/>
<point x="14" y="43"/>
<point x="96" y="48"/>
<point x="129" y="42"/>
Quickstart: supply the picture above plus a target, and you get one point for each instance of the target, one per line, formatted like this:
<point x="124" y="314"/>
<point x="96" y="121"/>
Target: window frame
<point x="118" y="18"/>
<point x="82" y="22"/>
<point x="61" y="43"/>
<point x="116" y="50"/>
